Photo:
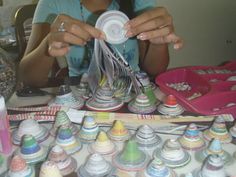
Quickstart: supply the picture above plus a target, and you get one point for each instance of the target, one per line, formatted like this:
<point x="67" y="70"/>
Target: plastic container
<point x="210" y="90"/>
<point x="5" y="137"/>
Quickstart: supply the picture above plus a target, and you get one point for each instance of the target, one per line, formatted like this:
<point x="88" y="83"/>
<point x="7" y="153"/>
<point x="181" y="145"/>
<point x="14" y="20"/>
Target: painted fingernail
<point x="142" y="36"/>
<point x="176" y="46"/>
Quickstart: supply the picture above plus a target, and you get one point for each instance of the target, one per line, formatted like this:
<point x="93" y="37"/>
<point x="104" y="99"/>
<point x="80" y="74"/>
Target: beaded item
<point x="7" y="75"/>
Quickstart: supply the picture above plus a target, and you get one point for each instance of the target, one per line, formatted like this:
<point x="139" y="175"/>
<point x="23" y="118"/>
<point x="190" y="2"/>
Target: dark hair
<point x="126" y="6"/>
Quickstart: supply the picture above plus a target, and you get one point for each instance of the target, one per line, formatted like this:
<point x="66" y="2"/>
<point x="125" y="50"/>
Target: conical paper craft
<point x="62" y="119"/>
<point x="67" y="141"/>
<point x="216" y="148"/>
<point x="65" y="163"/>
<point x="104" y="100"/>
<point x="212" y="167"/>
<point x="82" y="90"/>
<point x="141" y="105"/>
<point x="96" y="166"/>
<point x="49" y="168"/>
<point x="30" y="127"/>
<point x="31" y="151"/>
<point x="131" y="158"/>
<point x="118" y="132"/>
<point x="146" y="138"/>
<point x="218" y="130"/>
<point x="19" y="168"/>
<point x="103" y="145"/>
<point x="89" y="130"/>
<point x="157" y="168"/>
<point x="66" y="98"/>
<point x="170" y="107"/>
<point x="191" y="139"/>
<point x="172" y="154"/>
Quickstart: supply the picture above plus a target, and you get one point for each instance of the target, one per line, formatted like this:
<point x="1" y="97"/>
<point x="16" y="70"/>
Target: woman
<point x="66" y="28"/>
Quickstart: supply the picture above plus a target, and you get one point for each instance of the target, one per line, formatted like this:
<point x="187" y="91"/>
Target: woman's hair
<point x="126" y="6"/>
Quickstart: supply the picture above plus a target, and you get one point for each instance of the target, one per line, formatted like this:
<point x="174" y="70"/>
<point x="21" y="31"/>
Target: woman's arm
<point x="36" y="63"/>
<point x="47" y="41"/>
<point x="154" y="58"/>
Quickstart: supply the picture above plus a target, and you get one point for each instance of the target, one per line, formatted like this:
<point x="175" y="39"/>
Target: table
<point x="81" y="156"/>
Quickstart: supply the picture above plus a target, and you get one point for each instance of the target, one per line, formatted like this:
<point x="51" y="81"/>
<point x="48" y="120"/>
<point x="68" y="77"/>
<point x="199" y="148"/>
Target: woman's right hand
<point x="66" y="31"/>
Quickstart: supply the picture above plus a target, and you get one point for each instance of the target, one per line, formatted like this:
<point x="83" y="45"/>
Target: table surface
<point x="81" y="156"/>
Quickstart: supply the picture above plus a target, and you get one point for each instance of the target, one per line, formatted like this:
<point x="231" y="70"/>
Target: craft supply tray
<point x="209" y="90"/>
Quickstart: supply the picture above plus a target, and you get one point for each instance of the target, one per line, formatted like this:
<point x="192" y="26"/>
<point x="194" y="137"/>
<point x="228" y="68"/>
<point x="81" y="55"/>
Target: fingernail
<point x="142" y="36"/>
<point x="129" y="34"/>
<point x="102" y="36"/>
<point x="127" y="26"/>
<point x="176" y="46"/>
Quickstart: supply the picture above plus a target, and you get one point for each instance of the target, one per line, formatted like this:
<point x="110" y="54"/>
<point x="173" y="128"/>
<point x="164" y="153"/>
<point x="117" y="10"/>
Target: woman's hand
<point x="66" y="31"/>
<point x="155" y="25"/>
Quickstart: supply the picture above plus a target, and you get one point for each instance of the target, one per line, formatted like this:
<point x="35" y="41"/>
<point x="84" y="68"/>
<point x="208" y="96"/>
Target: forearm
<point x="36" y="65"/>
<point x="154" y="58"/>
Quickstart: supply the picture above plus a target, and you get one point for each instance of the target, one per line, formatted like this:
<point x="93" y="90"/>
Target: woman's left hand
<point x="155" y="25"/>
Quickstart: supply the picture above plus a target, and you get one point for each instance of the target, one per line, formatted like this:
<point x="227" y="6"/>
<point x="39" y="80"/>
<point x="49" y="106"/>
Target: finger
<point x="179" y="44"/>
<point x="160" y="22"/>
<point x="79" y="32"/>
<point x="66" y="37"/>
<point x="74" y="29"/>
<point x="154" y="33"/>
<point x="77" y="27"/>
<point x="55" y="52"/>
<point x="171" y="38"/>
<point x="94" y="32"/>
<point x="151" y="14"/>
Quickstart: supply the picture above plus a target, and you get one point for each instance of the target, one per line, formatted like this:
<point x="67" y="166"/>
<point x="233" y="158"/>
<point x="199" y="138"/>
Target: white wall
<point x="206" y="26"/>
